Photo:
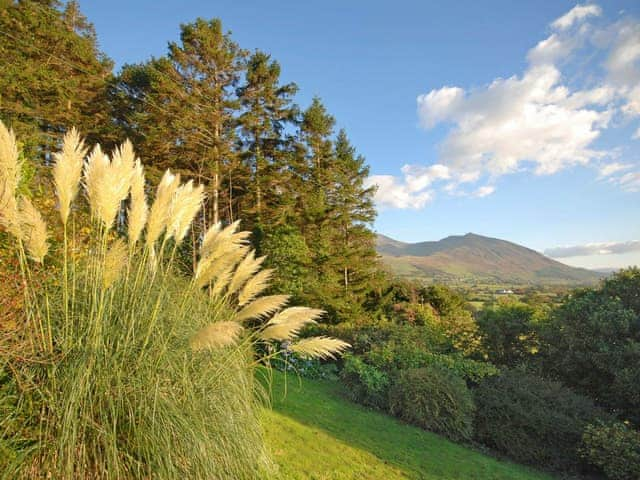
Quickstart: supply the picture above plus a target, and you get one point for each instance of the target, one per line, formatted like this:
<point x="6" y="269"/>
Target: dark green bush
<point x="615" y="449"/>
<point x="365" y="383"/>
<point x="508" y="332"/>
<point x="435" y="399"/>
<point x="533" y="420"/>
<point x="591" y="343"/>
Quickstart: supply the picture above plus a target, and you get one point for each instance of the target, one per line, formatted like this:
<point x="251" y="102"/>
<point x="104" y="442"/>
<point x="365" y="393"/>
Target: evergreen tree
<point x="183" y="108"/>
<point x="354" y="255"/>
<point x="267" y="109"/>
<point x="52" y="75"/>
<point x="313" y="170"/>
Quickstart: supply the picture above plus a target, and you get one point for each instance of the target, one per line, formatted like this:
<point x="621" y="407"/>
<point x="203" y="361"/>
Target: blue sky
<point x="509" y="119"/>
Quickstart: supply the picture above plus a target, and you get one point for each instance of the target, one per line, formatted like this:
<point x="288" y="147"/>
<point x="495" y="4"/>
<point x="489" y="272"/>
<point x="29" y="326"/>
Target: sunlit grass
<point x="313" y="432"/>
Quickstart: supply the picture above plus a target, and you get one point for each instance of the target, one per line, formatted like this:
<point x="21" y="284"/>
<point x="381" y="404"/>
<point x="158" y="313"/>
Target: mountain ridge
<point x="472" y="258"/>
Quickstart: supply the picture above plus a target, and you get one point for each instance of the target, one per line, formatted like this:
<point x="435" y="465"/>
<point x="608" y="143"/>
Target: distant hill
<point x="474" y="258"/>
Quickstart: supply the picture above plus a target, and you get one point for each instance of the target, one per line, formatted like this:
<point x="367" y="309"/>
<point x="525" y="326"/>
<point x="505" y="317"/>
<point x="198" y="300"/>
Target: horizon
<point x="529" y="132"/>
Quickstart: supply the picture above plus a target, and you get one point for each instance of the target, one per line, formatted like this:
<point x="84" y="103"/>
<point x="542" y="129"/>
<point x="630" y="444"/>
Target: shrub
<point x="435" y="399"/>
<point x="532" y="420"/>
<point x="125" y="368"/>
<point x="592" y="344"/>
<point x="365" y="383"/>
<point x="615" y="449"/>
<point x="508" y="332"/>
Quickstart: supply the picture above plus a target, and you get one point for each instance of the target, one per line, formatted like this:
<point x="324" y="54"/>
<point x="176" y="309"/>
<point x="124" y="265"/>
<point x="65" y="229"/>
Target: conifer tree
<point x="353" y="215"/>
<point x="267" y="109"/>
<point x="184" y="108"/>
<point x="52" y="75"/>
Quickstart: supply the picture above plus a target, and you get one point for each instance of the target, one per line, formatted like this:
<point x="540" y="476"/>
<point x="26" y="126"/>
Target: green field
<point x="314" y="433"/>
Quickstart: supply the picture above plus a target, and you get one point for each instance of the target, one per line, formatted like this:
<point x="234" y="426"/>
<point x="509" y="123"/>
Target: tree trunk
<point x="216" y="192"/>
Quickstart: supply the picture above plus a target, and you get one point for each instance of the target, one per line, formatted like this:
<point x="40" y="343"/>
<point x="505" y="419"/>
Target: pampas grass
<point x="216" y="335"/>
<point x="159" y="214"/>
<point x="67" y="171"/>
<point x="319" y="347"/>
<point x="10" y="174"/>
<point x="33" y="230"/>
<point x="139" y="210"/>
<point x="126" y="368"/>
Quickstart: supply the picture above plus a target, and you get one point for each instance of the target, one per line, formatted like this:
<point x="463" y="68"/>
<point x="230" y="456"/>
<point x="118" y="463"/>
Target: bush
<point x="592" y="344"/>
<point x="615" y="449"/>
<point x="508" y="332"/>
<point x="435" y="399"/>
<point x="365" y="384"/>
<point x="532" y="420"/>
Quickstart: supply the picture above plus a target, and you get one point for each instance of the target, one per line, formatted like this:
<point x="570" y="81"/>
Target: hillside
<point x="314" y="433"/>
<point x="475" y="258"/>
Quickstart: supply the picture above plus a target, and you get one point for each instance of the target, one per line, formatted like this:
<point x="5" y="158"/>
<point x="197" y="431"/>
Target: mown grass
<point x="313" y="432"/>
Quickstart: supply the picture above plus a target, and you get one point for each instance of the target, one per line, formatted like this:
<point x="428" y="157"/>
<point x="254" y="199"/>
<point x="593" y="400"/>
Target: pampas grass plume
<point x="138" y="210"/>
<point x="10" y="173"/>
<point x="34" y="230"/>
<point x="159" y="214"/>
<point x="107" y="182"/>
<point x="319" y="347"/>
<point x="186" y="203"/>
<point x="67" y="171"/>
<point x="262" y="307"/>
<point x="255" y="286"/>
<point x="287" y="324"/>
<point x="216" y="335"/>
<point x="246" y="269"/>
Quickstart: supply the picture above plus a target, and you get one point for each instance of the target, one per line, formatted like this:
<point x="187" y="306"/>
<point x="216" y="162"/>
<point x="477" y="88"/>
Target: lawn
<point x="313" y="432"/>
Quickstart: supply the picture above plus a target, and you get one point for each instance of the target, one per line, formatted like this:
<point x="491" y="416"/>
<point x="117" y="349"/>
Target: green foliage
<point x="435" y="399"/>
<point x="365" y="383"/>
<point x="288" y="251"/>
<point x="532" y="420"/>
<point x="614" y="448"/>
<point x="416" y="347"/>
<point x="592" y="344"/>
<point x="508" y="332"/>
<point x="52" y="76"/>
<point x="625" y="285"/>
<point x="386" y="351"/>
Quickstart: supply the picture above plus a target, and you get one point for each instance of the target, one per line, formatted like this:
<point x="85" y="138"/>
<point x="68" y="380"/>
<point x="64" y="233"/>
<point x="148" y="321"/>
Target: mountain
<point x="474" y="258"/>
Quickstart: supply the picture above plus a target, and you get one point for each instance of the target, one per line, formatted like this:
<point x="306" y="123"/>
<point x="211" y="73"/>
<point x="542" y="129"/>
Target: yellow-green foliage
<point x="125" y="368"/>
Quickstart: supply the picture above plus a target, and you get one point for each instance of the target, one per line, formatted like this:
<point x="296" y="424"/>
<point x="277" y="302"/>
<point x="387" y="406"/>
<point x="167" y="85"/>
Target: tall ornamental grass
<point x="126" y="368"/>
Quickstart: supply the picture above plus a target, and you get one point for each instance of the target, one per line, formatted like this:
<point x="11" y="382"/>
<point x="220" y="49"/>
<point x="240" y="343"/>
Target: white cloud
<point x="417" y="177"/>
<point x="577" y="13"/>
<point x="615" y="167"/>
<point x="533" y="118"/>
<point x="629" y="182"/>
<point x="437" y="105"/>
<point x="609" y="248"/>
<point x="412" y="191"/>
<point x="393" y="193"/>
<point x="636" y="136"/>
<point x="484" y="191"/>
<point x="542" y="120"/>
<point x="623" y="62"/>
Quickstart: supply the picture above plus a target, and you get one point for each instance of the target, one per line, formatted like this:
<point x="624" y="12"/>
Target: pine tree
<point x="52" y="75"/>
<point x="267" y="110"/>
<point x="183" y="108"/>
<point x="353" y="213"/>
